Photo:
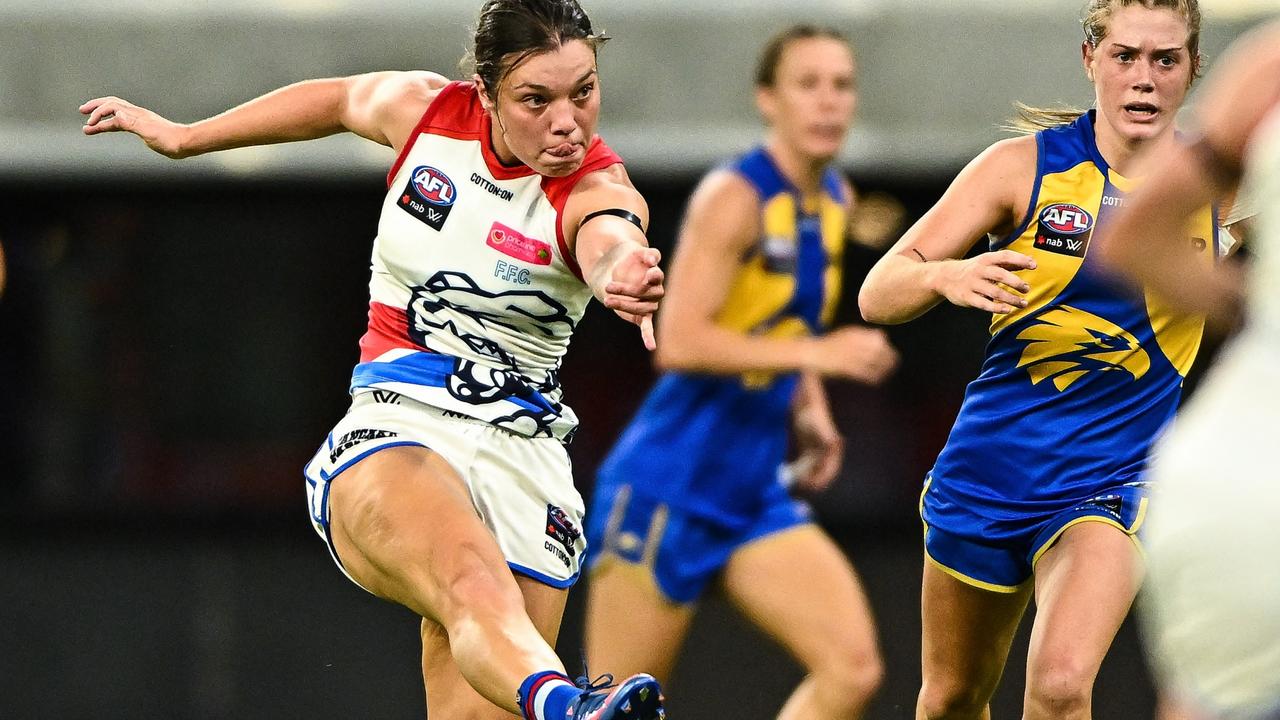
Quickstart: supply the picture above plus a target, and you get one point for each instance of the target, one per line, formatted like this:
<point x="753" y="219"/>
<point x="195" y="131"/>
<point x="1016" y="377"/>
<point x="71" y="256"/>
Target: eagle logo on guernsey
<point x="1063" y="228"/>
<point x="1066" y="343"/>
<point x="429" y="196"/>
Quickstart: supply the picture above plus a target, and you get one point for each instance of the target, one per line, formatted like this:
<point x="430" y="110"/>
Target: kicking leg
<point x="449" y="695"/>
<point x="404" y="527"/>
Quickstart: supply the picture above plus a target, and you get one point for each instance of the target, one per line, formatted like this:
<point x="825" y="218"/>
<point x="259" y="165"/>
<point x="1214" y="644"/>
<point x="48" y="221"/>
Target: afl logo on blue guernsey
<point x="1064" y="228"/>
<point x="429" y="196"/>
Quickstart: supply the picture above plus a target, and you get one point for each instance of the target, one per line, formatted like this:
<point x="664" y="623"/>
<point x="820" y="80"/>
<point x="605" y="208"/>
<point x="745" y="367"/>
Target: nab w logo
<point x="1066" y="343"/>
<point x="428" y="196"/>
<point x="1063" y="228"/>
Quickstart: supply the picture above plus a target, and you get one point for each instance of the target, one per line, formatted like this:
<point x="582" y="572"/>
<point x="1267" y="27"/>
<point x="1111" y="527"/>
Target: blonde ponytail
<point x="1030" y="120"/>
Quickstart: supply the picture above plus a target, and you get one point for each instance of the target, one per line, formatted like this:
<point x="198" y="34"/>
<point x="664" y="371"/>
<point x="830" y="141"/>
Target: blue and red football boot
<point x="636" y="698"/>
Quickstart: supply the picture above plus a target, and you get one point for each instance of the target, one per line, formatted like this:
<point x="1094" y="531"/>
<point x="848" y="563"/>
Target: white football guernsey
<point x="474" y="294"/>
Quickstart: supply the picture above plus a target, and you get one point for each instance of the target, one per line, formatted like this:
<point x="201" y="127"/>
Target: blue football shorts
<point x="683" y="551"/>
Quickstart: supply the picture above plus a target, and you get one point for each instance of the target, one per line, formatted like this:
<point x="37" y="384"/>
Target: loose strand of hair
<point x="1031" y="119"/>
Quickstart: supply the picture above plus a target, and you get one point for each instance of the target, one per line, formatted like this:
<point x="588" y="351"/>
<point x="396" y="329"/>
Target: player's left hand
<point x="821" y="451"/>
<point x="634" y="289"/>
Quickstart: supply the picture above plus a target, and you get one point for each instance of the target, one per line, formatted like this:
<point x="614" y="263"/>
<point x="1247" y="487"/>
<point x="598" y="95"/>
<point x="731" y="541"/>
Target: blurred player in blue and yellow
<point x="696" y="489"/>
<point x="1212" y="617"/>
<point x="1039" y="490"/>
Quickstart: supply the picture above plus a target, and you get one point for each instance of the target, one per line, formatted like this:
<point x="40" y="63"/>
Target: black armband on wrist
<point x="616" y="212"/>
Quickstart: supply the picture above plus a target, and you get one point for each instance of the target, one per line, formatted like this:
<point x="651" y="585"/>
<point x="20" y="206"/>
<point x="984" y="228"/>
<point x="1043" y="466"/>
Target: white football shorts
<point x="521" y="488"/>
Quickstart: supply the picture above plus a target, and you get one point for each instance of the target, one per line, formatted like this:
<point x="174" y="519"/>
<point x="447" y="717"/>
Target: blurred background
<point x="176" y="337"/>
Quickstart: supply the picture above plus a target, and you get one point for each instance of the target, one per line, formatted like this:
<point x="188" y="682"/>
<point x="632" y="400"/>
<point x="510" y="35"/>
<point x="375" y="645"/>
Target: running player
<point x="692" y="493"/>
<point x="1213" y="606"/>
<point x="446" y="488"/>
<point x="1039" y="489"/>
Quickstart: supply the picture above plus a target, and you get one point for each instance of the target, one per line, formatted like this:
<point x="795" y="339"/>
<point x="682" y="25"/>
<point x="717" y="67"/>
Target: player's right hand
<point x="634" y="289"/>
<point x="111" y="114"/>
<point x="987" y="282"/>
<point x="856" y="353"/>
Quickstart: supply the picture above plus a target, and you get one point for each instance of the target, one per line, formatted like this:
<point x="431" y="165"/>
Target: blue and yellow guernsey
<point x="711" y="445"/>
<point x="1076" y="385"/>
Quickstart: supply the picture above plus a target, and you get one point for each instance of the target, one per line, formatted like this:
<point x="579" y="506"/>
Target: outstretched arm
<point x="925" y="267"/>
<point x="382" y="106"/>
<point x="613" y="253"/>
<point x="1146" y="240"/>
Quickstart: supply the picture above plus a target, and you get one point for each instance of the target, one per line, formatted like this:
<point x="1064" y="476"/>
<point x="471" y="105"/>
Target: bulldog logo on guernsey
<point x="429" y="196"/>
<point x="512" y="243"/>
<point x="1064" y="228"/>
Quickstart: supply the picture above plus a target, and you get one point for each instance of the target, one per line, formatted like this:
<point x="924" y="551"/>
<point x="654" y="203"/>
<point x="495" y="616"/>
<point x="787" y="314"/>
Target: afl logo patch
<point x="429" y="196"/>
<point x="561" y="529"/>
<point x="433" y="186"/>
<point x="1064" y="228"/>
<point x="779" y="254"/>
<point x="1066" y="219"/>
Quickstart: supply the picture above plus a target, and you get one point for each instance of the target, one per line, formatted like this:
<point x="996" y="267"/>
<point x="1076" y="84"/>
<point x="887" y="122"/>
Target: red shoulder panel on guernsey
<point x="557" y="190"/>
<point x="456" y="113"/>
<point x="446" y="115"/>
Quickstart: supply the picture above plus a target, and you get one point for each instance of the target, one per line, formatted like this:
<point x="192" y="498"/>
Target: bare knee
<point x="848" y="679"/>
<point x="1059" y="689"/>
<point x="950" y="699"/>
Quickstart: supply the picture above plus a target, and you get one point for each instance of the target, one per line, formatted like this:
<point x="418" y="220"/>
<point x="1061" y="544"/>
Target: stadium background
<point x="176" y="337"/>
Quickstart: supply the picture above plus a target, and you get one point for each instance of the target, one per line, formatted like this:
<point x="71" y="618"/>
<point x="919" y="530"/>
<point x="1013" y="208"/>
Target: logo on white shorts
<point x="386" y="397"/>
<point x="561" y="529"/>
<point x="354" y="438"/>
